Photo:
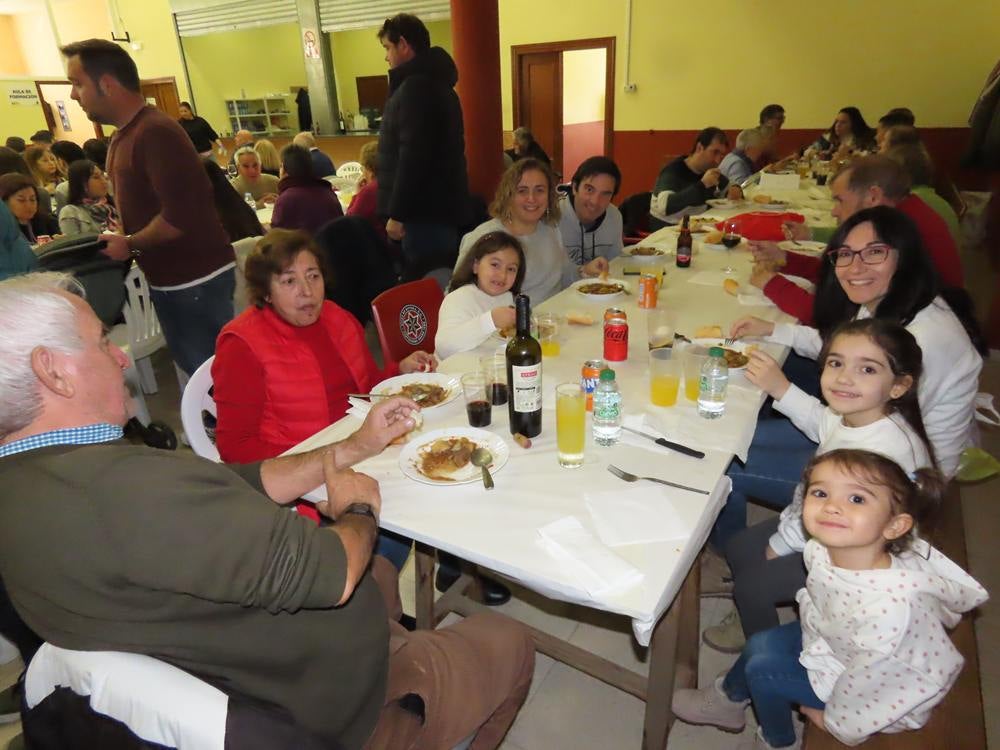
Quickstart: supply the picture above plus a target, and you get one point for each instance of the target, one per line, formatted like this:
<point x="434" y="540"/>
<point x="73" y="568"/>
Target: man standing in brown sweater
<point x="112" y="547"/>
<point x="165" y="200"/>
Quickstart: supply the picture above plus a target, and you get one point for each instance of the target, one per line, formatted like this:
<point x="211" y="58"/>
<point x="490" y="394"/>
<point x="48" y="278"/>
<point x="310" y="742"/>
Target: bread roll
<point x="762" y="198"/>
<point x="714" y="237"/>
<point x="708" y="332"/>
<point x="732" y="286"/>
<point x="580" y="319"/>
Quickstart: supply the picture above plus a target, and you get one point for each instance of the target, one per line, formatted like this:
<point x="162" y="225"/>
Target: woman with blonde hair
<point x="527" y="207"/>
<point x="270" y="159"/>
<point x="43" y="166"/>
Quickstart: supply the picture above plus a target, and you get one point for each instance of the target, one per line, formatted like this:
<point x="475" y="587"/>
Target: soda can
<point x="616" y="339"/>
<point x="614" y="312"/>
<point x="648" y="290"/>
<point x="589" y="376"/>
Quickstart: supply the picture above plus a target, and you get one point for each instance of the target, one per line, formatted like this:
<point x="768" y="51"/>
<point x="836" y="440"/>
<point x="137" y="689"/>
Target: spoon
<point x="482" y="458"/>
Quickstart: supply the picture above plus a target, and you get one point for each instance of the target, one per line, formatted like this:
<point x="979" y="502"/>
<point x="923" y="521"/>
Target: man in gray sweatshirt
<point x="590" y="224"/>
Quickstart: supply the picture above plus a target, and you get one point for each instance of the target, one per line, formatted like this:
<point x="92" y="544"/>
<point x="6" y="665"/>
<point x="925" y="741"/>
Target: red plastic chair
<point x="406" y="318"/>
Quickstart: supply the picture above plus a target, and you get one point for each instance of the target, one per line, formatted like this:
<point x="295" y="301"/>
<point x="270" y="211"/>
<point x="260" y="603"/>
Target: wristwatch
<point x="133" y="252"/>
<point x="361" y="509"/>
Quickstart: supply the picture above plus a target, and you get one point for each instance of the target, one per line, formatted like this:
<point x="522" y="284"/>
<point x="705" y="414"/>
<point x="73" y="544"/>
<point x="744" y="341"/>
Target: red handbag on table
<point x="761" y="225"/>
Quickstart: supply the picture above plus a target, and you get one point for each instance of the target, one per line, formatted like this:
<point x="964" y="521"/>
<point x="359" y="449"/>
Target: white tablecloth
<point x="499" y="529"/>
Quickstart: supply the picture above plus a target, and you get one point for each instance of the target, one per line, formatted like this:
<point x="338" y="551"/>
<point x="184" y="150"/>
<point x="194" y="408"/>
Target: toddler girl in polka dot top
<point x="871" y="653"/>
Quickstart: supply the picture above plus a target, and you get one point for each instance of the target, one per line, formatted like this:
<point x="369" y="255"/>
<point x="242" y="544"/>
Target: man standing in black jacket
<point x="422" y="180"/>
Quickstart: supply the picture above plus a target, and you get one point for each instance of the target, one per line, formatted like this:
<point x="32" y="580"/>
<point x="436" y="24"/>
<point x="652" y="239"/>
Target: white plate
<point x="600" y="297"/>
<point x="804" y="246"/>
<point x="410" y="454"/>
<point x="392" y="385"/>
<point x="738" y="346"/>
<point x="772" y="206"/>
<point x="724" y="202"/>
<point x="663" y="254"/>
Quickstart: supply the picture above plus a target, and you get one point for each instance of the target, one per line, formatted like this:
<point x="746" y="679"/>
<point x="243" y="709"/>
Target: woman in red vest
<point x="284" y="367"/>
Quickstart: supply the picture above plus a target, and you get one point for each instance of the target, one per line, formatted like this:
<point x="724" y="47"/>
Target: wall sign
<point x="61" y="106"/>
<point x="24" y="94"/>
<point x="310" y="47"/>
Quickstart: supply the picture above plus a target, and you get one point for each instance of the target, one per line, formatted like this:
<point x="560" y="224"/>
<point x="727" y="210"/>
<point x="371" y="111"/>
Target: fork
<point x="729" y="341"/>
<point x="621" y="474"/>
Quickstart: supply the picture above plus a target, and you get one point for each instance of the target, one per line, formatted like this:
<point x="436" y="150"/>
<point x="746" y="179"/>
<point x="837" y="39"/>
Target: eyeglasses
<point x="874" y="254"/>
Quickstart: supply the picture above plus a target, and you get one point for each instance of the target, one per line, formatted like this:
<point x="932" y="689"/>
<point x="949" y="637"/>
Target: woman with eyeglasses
<point x="874" y="267"/>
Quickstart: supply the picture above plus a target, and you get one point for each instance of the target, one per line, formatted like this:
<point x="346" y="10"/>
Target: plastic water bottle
<point x="713" y="384"/>
<point x="248" y="197"/>
<point x="607" y="410"/>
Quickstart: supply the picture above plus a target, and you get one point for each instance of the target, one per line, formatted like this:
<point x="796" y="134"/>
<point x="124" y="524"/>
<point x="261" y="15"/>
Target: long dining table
<point x="499" y="530"/>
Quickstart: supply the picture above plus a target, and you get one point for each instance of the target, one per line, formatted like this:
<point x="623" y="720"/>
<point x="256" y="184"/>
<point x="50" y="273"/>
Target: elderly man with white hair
<point x="739" y="163"/>
<point x="106" y="546"/>
<point x="322" y="164"/>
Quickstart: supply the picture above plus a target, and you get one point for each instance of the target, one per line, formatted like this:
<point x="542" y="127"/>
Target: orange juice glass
<point x="664" y="377"/>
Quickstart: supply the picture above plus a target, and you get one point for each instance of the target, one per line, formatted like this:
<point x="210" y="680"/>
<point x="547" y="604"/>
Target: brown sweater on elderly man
<point x="155" y="171"/>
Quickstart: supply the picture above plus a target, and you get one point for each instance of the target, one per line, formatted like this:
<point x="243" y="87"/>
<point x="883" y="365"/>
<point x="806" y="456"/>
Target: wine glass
<point x="730" y="238"/>
<point x="231" y="171"/>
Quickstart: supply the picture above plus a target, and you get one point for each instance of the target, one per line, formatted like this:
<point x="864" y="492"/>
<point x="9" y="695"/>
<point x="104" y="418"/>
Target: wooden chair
<point x="406" y="318"/>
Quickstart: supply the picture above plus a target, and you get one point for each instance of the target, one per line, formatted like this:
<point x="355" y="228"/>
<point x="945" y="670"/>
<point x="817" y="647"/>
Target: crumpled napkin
<point x="359" y="407"/>
<point x="595" y="568"/>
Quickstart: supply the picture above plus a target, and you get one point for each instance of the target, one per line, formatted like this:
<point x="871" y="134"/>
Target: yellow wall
<point x="18" y="119"/>
<point x="38" y="44"/>
<point x="882" y="54"/>
<point x="261" y="61"/>
<point x="11" y="60"/>
<point x="359" y="53"/>
<point x="583" y="85"/>
<point x="81" y="19"/>
<point x="151" y="25"/>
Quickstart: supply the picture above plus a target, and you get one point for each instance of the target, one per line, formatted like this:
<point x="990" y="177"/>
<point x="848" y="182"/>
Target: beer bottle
<point x="684" y="243"/>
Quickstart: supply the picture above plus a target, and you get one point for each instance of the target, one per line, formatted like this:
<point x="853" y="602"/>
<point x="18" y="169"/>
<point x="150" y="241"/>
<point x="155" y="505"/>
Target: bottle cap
<point x="716" y="351"/>
<point x="607" y="374"/>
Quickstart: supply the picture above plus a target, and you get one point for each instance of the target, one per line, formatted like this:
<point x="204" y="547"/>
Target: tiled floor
<point x="566" y="709"/>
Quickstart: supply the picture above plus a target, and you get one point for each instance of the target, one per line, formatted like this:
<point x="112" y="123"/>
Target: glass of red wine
<point x="730" y="238"/>
<point x="494" y="367"/>
<point x="477" y="399"/>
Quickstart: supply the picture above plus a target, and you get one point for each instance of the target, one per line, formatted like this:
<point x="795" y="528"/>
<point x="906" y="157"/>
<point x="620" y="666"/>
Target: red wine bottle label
<point x="527" y="383"/>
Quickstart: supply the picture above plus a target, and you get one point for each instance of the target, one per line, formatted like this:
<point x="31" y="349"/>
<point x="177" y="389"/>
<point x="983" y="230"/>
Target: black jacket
<point x="422" y="174"/>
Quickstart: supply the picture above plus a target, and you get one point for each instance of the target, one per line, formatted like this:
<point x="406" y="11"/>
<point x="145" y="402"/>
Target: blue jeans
<point x="778" y="454"/>
<point x="393" y="547"/>
<point x="192" y="318"/>
<point x="426" y="247"/>
<point x="769" y="674"/>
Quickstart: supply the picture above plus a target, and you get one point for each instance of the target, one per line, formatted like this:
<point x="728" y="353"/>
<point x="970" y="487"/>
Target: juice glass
<point x="694" y="358"/>
<point x="571" y="422"/>
<point x="548" y="334"/>
<point x="664" y="377"/>
<point x="660" y="328"/>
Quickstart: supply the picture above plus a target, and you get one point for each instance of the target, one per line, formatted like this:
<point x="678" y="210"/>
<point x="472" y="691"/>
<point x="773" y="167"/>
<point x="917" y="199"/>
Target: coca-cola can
<point x="648" y="290"/>
<point x="589" y="376"/>
<point x="616" y="339"/>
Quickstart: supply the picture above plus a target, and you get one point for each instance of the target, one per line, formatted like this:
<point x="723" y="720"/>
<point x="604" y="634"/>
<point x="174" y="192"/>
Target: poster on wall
<point x="23" y="94"/>
<point x="310" y="46"/>
<point x="61" y="106"/>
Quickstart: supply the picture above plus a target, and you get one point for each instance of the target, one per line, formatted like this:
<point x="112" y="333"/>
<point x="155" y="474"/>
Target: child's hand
<point x="765" y="373"/>
<point x="503" y="317"/>
<point x="751" y="326"/>
<point x="815" y="715"/>
<point x="596" y="267"/>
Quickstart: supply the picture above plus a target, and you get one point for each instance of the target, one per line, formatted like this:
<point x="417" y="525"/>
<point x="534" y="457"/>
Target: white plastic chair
<point x="195" y="400"/>
<point x="140" y="335"/>
<point x="349" y="169"/>
<point x="157" y="701"/>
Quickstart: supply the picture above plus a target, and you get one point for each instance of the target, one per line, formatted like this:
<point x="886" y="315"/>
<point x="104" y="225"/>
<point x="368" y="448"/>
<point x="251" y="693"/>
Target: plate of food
<point x="428" y="389"/>
<point x="737" y="353"/>
<point x="808" y="247"/>
<point x="444" y="456"/>
<point x="600" y="290"/>
<point x="724" y="202"/>
<point x="767" y="203"/>
<point x="645" y="253"/>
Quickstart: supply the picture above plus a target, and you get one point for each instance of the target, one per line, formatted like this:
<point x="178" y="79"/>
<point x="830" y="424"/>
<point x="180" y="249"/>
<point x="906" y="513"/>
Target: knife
<point x="667" y="443"/>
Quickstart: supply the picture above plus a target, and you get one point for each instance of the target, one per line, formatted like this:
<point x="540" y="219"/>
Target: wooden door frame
<point x="607" y="43"/>
<point x="172" y="80"/>
<point x="50" y="121"/>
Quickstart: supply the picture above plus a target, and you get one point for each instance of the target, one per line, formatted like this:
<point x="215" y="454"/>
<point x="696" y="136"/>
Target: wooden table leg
<point x="424" y="559"/>
<point x="673" y="661"/>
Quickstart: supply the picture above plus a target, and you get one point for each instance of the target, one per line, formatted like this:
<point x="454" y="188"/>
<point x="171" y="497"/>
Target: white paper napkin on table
<point x="359" y="407"/>
<point x="596" y="568"/>
<point x="708" y="278"/>
<point x="635" y="514"/>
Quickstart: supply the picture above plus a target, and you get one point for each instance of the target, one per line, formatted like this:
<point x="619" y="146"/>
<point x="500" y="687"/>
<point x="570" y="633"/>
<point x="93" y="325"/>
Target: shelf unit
<point x="263" y="116"/>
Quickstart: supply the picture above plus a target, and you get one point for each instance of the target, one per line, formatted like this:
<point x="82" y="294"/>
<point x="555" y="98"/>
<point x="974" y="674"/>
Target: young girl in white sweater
<point x="871" y="653"/>
<point x="482" y="294"/>
<point x="870" y="379"/>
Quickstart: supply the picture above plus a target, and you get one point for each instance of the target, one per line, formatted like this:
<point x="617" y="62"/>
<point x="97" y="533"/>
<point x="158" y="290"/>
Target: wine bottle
<point x="524" y="374"/>
<point x="684" y="243"/>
